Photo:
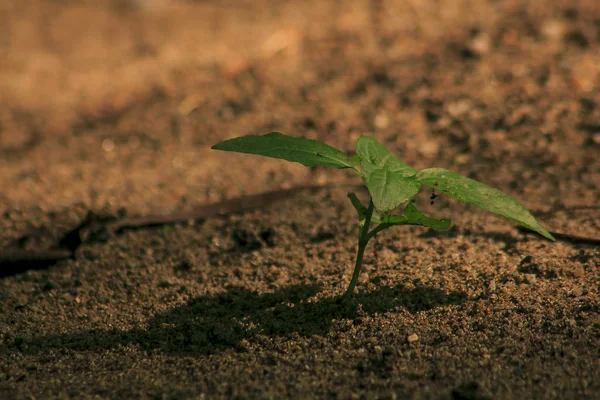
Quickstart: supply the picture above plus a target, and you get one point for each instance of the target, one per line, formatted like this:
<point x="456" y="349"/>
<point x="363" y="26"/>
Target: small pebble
<point x="108" y="145"/>
<point x="381" y="121"/>
<point x="412" y="338"/>
<point x="577" y="270"/>
<point x="363" y="278"/>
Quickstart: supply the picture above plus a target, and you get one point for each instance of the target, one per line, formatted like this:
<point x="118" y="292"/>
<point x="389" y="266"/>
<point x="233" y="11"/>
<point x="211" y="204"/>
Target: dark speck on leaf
<point x="433" y="196"/>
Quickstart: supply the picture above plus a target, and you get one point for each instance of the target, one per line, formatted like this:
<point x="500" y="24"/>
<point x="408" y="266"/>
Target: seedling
<point x="390" y="183"/>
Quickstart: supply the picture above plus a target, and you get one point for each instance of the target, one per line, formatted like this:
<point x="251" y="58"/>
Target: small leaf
<point x="389" y="180"/>
<point x="483" y="196"/>
<point x="388" y="189"/>
<point x="311" y="153"/>
<point x="412" y="216"/>
<point x="372" y="151"/>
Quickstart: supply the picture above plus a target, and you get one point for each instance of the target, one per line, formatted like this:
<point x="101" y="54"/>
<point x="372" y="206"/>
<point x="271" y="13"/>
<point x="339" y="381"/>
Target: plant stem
<point x="379" y="228"/>
<point x="363" y="240"/>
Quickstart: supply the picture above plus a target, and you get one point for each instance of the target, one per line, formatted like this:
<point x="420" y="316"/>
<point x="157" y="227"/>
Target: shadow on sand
<point x="209" y="324"/>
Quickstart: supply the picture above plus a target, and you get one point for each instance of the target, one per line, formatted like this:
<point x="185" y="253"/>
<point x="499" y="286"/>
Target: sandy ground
<point x="111" y="107"/>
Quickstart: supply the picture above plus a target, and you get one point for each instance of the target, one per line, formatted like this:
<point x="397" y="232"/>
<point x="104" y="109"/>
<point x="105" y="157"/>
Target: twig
<point x="565" y="237"/>
<point x="17" y="260"/>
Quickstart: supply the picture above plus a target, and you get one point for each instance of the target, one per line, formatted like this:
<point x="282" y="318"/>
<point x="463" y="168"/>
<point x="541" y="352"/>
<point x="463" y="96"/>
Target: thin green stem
<point x="379" y="228"/>
<point x="363" y="240"/>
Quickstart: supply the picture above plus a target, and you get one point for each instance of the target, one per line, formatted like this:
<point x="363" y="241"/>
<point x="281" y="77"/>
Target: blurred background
<point x="118" y="101"/>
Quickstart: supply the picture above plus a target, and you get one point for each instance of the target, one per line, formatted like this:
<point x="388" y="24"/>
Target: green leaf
<point x="370" y="150"/>
<point x="389" y="181"/>
<point x="490" y="199"/>
<point x="412" y="216"/>
<point x="311" y="153"/>
<point x="388" y="189"/>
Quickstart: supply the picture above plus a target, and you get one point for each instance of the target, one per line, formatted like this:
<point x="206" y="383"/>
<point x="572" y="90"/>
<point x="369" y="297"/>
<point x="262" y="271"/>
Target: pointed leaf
<point x="490" y="199"/>
<point x="412" y="216"/>
<point x="311" y="153"/>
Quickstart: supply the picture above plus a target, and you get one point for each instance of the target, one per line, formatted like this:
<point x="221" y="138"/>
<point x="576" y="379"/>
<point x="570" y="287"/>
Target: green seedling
<point x="390" y="183"/>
